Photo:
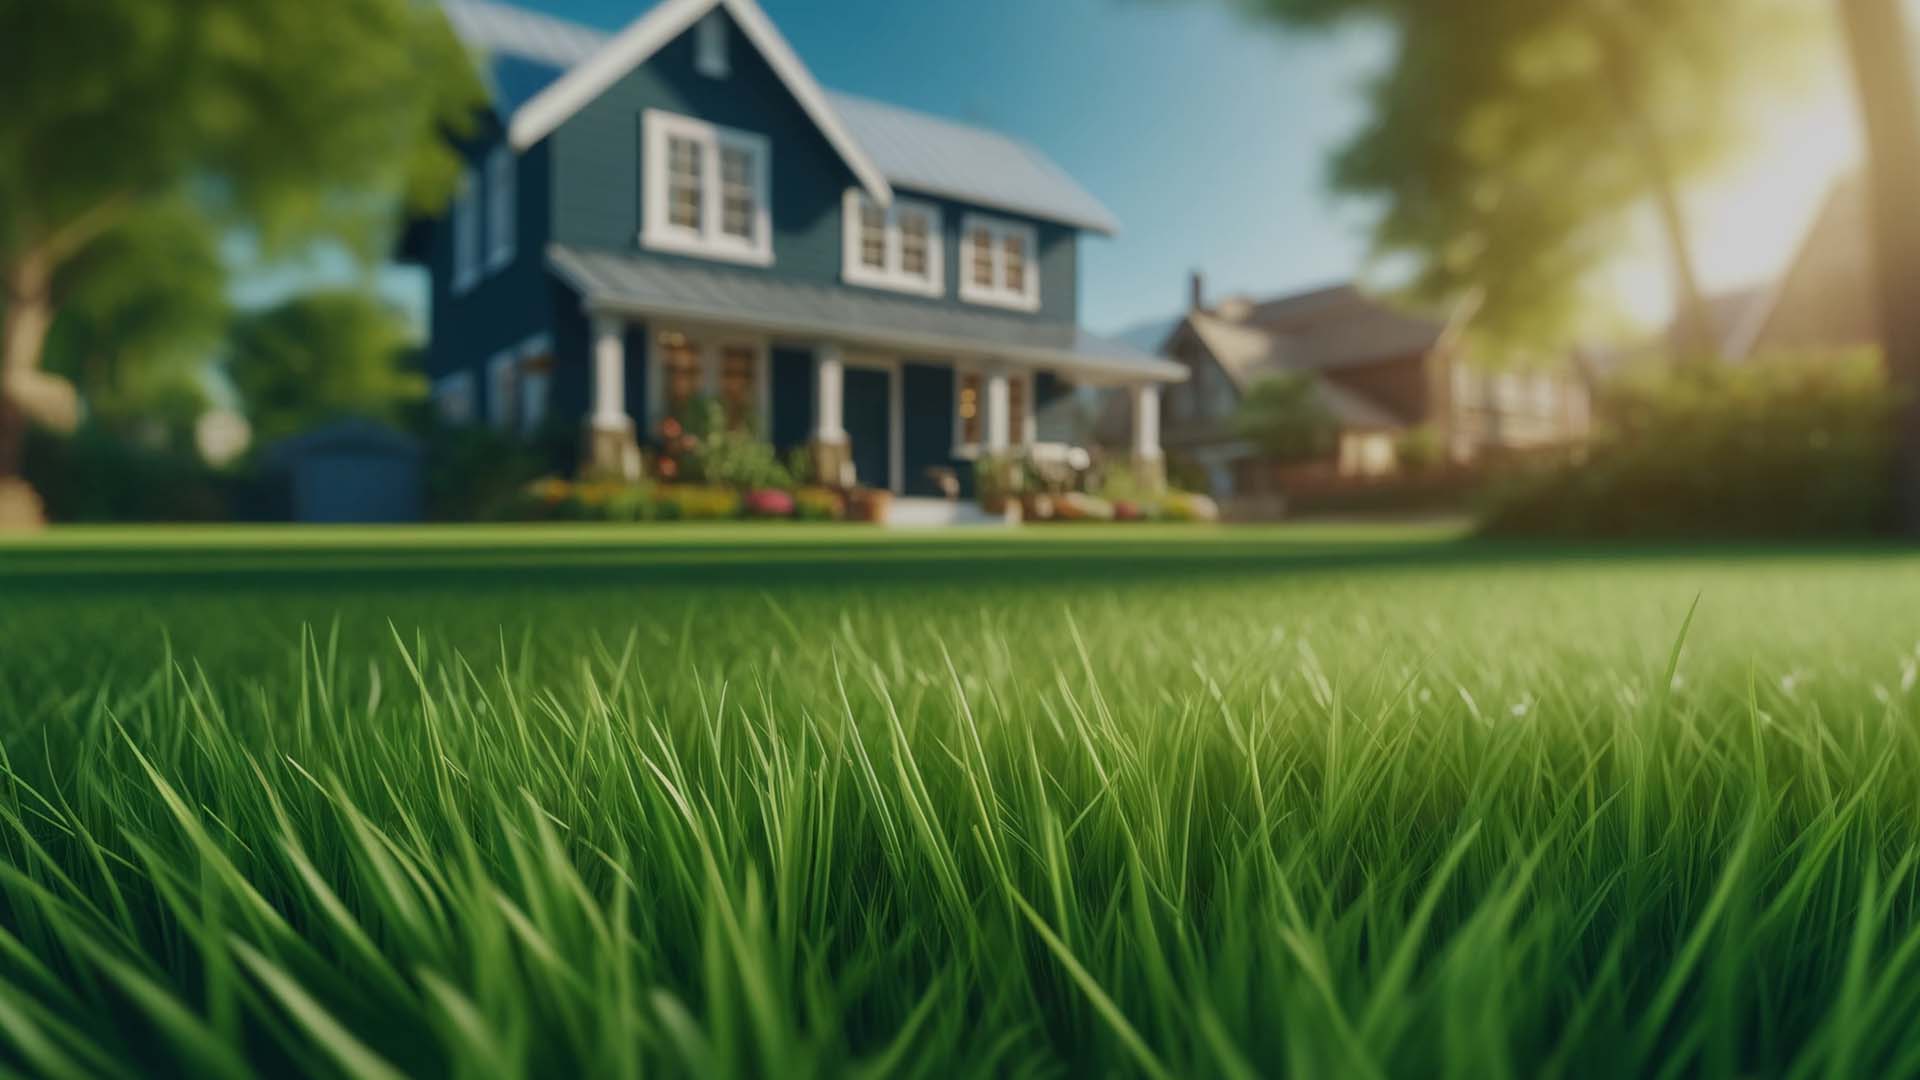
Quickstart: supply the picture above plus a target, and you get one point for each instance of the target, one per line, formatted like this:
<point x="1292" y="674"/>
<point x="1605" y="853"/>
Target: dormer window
<point x="707" y="190"/>
<point x="997" y="263"/>
<point x="897" y="247"/>
<point x="710" y="46"/>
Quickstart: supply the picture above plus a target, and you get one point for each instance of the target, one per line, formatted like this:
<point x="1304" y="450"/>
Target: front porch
<point x="887" y="392"/>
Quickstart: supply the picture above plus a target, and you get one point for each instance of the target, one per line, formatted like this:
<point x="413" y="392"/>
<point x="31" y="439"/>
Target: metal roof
<point x="645" y="286"/>
<point x="971" y="164"/>
<point x="528" y="52"/>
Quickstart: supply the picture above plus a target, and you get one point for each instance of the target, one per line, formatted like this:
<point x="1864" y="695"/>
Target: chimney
<point x="1197" y="299"/>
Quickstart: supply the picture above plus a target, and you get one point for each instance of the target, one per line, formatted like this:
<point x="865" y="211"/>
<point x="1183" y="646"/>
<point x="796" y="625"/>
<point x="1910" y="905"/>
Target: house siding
<point x="505" y="307"/>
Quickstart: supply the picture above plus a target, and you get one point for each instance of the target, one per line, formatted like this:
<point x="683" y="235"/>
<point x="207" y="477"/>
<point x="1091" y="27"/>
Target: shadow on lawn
<point x="1049" y="563"/>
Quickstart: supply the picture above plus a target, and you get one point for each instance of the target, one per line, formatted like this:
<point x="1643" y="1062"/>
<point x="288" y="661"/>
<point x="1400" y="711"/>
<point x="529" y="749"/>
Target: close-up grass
<point x="1306" y="803"/>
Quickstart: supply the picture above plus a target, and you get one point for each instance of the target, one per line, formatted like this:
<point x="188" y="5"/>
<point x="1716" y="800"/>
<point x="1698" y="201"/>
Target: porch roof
<point x="615" y="283"/>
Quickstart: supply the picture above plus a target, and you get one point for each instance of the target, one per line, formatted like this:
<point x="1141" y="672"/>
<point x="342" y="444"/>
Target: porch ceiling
<point x="613" y="283"/>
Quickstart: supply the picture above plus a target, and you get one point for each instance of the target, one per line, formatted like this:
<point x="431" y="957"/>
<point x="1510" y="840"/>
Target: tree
<point x="318" y="357"/>
<point x="1877" y="42"/>
<point x="288" y="120"/>
<point x="142" y="311"/>
<point x="1286" y="417"/>
<point x="1510" y="139"/>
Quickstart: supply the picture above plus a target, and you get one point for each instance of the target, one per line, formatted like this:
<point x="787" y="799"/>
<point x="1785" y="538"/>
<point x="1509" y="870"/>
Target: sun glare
<point x="1748" y="223"/>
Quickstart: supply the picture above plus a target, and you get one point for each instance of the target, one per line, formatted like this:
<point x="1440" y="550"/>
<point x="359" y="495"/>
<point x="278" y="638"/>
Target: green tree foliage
<point x="318" y="357"/>
<point x="1287" y="419"/>
<point x="1510" y="139"/>
<point x="146" y="308"/>
<point x="289" y="120"/>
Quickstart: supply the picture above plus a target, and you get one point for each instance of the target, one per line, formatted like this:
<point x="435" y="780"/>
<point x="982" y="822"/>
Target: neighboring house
<point x="1824" y="299"/>
<point x="1380" y="372"/>
<point x="678" y="210"/>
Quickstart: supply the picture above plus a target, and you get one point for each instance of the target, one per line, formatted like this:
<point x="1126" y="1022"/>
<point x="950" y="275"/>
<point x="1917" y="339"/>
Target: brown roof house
<point x="1381" y="372"/>
<point x="1824" y="297"/>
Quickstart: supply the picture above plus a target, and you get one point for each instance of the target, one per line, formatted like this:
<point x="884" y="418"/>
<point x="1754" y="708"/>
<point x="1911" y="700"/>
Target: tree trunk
<point x="1693" y="323"/>
<point x="27" y="395"/>
<point x="1883" y="78"/>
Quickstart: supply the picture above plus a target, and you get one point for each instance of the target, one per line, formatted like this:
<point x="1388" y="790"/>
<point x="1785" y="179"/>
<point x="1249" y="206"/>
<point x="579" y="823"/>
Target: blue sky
<point x="1205" y="133"/>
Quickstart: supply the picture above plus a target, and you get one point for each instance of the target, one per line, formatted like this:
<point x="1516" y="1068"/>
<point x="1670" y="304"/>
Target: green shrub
<point x="475" y="473"/>
<point x="733" y="457"/>
<point x="818" y="504"/>
<point x="1789" y="446"/>
<point x="101" y="475"/>
<point x="998" y="478"/>
<point x="691" y="502"/>
<point x="1421" y="450"/>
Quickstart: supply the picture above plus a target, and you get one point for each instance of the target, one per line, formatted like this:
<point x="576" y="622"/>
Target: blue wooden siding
<point x="505" y="307"/>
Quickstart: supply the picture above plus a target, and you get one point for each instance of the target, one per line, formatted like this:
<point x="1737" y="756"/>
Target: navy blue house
<point x="678" y="209"/>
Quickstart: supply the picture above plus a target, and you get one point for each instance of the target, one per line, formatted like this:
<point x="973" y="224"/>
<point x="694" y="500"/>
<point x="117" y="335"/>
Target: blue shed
<point x="352" y="472"/>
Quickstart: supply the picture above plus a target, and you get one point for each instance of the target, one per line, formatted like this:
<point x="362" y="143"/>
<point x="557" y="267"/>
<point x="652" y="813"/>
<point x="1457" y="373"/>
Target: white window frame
<point x="500" y="209"/>
<point x="997" y="294"/>
<point x="453" y="398"/>
<point x="1016" y="440"/>
<point x="893" y="275"/>
<point x="710" y="342"/>
<point x="466" y="233"/>
<point x="658" y="233"/>
<point x="710" y="46"/>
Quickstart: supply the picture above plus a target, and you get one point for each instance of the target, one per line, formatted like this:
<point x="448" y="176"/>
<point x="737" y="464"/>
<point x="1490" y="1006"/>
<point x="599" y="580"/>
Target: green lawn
<point x="818" y="801"/>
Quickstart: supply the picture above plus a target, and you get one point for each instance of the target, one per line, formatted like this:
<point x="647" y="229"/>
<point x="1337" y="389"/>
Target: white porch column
<point x="829" y="417"/>
<point x="1146" y="422"/>
<point x="610" y="375"/>
<point x="999" y="424"/>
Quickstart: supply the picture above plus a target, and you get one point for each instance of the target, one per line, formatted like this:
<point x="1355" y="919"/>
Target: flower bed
<point x="554" y="499"/>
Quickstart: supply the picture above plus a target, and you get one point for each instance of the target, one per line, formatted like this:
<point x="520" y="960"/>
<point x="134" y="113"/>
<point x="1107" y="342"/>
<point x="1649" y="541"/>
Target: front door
<point x="866" y="406"/>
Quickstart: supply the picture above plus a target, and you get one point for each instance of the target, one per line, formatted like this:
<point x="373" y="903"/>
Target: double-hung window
<point x="997" y="263"/>
<point x="689" y="365"/>
<point x="707" y="190"/>
<point x="466" y="233"/>
<point x="899" y="247"/>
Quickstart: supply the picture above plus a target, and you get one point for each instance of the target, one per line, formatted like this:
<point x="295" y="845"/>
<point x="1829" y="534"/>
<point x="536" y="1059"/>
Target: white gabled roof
<point x="646" y="35"/>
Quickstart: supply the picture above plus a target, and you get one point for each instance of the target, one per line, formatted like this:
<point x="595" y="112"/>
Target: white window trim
<point x="998" y="295"/>
<point x="658" y="233"/>
<point x="1016" y="440"/>
<point x="501" y="209"/>
<point x="466" y="233"/>
<point x="710" y="341"/>
<point x="893" y="276"/>
<point x="710" y="46"/>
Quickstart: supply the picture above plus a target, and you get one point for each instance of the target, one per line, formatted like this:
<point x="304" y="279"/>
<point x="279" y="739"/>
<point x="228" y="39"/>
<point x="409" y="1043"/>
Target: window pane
<point x="1016" y="246"/>
<point x="738" y="194"/>
<point x="983" y="258"/>
<point x="969" y="409"/>
<point x="737" y="390"/>
<point x="913" y="244"/>
<point x="873" y="236"/>
<point x="680" y="368"/>
<point x="685" y="168"/>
